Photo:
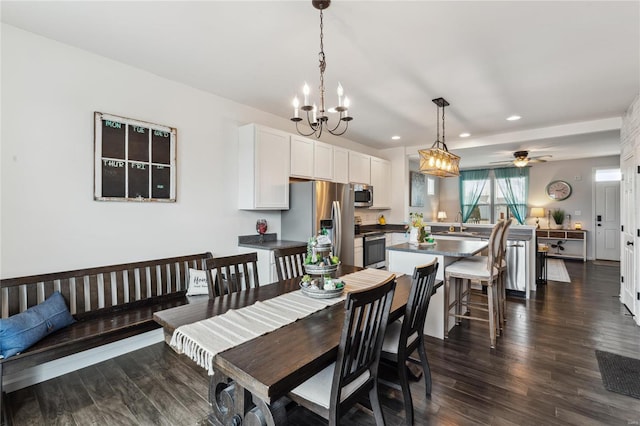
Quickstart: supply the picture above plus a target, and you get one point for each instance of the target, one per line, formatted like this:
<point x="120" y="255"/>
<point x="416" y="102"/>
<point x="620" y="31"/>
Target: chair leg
<point x="375" y="404"/>
<point x="406" y="392"/>
<point x="492" y="314"/>
<point x="447" y="282"/>
<point x="426" y="369"/>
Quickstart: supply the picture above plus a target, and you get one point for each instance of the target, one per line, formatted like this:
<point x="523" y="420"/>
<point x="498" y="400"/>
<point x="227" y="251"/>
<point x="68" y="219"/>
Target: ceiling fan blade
<point x="540" y="157"/>
<point x="501" y="162"/>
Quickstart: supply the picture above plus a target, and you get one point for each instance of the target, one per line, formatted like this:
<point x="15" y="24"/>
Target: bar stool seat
<point x="485" y="269"/>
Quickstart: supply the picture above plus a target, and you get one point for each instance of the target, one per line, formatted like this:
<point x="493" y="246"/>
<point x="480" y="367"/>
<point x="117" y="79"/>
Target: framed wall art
<point x="134" y="160"/>
<point x="416" y="189"/>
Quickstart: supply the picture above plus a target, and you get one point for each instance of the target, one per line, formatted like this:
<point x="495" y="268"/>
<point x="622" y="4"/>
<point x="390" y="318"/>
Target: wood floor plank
<point x="543" y="371"/>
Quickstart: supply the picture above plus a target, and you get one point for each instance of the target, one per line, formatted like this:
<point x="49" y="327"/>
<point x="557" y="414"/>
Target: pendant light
<point x="437" y="160"/>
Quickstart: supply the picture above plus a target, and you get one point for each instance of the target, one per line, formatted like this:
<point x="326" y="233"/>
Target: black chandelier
<point x="316" y="118"/>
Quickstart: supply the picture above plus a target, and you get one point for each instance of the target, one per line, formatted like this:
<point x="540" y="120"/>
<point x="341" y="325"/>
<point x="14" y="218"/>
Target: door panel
<point x="608" y="220"/>
<point x="627" y="266"/>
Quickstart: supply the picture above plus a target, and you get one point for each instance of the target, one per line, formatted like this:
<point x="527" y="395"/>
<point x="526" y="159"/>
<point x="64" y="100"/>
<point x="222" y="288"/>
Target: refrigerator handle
<point x="337" y="225"/>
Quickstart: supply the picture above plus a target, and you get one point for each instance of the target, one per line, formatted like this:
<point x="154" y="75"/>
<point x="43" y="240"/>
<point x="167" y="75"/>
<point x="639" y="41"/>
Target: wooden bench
<point x="110" y="303"/>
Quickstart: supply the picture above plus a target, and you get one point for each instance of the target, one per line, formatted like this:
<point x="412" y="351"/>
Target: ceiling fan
<point x="521" y="159"/>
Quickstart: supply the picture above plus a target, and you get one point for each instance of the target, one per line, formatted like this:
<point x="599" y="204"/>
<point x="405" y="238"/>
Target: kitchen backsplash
<point x="369" y="217"/>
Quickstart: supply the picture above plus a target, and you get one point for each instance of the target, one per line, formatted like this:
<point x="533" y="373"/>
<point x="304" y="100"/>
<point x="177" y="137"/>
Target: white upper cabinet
<point x="322" y="161"/>
<point x="340" y="165"/>
<point x="302" y="157"/>
<point x="381" y="182"/>
<point x="263" y="168"/>
<point x="311" y="159"/>
<point x="360" y="168"/>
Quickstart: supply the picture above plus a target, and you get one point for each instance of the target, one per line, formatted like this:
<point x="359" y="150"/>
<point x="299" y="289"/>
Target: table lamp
<point x="537" y="212"/>
<point x="442" y="216"/>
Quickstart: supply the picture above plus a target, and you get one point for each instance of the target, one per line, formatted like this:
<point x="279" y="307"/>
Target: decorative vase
<point x="413" y="236"/>
<point x="557" y="226"/>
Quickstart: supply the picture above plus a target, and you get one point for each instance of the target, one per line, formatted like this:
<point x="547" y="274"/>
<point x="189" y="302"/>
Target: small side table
<point x="541" y="264"/>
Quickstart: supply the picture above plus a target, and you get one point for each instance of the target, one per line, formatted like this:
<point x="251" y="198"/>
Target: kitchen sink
<point x="459" y="233"/>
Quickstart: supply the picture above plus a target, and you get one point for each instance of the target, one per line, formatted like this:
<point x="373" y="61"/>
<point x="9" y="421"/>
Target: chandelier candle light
<point x="316" y="118"/>
<point x="437" y="160"/>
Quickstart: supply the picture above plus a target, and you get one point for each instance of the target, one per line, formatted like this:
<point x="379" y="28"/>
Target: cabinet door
<point x="358" y="252"/>
<point x="322" y="161"/>
<point x="360" y="168"/>
<point x="380" y="180"/>
<point x="340" y="165"/>
<point x="263" y="168"/>
<point x="302" y="157"/>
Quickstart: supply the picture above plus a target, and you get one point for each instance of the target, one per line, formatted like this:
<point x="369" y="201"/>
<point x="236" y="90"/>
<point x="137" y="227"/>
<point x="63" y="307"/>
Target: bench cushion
<point x="22" y="330"/>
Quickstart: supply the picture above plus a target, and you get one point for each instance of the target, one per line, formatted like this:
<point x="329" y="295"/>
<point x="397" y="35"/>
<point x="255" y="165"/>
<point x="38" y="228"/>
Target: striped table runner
<point x="201" y="341"/>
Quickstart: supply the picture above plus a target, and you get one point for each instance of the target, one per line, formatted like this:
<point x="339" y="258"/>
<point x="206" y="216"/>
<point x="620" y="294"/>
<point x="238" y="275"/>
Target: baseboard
<point x="59" y="367"/>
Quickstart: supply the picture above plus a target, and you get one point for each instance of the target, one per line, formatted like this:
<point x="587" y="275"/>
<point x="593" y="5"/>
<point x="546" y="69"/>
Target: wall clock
<point x="558" y="190"/>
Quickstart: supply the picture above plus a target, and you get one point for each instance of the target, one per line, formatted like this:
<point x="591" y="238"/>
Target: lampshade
<point x="442" y="215"/>
<point x="537" y="212"/>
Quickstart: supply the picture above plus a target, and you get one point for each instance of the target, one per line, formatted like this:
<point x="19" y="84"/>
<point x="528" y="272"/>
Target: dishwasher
<point x="516" y="279"/>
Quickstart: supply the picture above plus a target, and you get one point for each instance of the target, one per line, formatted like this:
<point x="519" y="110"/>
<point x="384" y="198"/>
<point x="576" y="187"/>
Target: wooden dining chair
<point x="480" y="268"/>
<point x="406" y="334"/>
<point x="229" y="274"/>
<point x="290" y="262"/>
<point x="354" y="375"/>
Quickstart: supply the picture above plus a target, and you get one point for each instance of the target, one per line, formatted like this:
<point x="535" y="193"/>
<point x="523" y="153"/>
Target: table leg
<point x="232" y="405"/>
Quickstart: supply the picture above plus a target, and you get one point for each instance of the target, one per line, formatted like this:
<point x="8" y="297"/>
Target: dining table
<point x="250" y="381"/>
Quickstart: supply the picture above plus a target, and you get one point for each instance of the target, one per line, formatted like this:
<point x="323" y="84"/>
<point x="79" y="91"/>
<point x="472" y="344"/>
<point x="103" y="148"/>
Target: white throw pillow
<point x="198" y="283"/>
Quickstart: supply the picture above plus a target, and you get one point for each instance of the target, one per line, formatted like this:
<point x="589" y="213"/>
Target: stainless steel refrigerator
<point x="315" y="205"/>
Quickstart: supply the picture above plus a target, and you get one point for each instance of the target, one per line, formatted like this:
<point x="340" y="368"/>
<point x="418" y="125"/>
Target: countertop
<point x="479" y="231"/>
<point x="454" y="248"/>
<point x="271" y="242"/>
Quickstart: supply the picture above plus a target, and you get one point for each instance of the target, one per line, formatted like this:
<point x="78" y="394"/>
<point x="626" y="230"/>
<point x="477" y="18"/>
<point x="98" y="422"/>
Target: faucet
<point x="459" y="215"/>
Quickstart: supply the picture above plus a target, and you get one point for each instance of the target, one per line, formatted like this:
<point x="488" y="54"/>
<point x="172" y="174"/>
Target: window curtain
<point x="514" y="184"/>
<point x="471" y="184"/>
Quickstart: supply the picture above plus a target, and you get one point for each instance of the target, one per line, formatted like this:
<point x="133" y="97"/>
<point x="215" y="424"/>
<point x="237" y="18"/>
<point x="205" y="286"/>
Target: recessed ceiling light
<point x="514" y="118"/>
<point x="465" y="135"/>
<point x="395" y="138"/>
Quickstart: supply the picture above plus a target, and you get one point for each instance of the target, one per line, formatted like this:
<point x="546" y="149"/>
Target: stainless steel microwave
<point x="362" y="195"/>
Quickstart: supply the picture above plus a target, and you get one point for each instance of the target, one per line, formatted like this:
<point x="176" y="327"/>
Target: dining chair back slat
<point x="290" y="262"/>
<point x="230" y="274"/>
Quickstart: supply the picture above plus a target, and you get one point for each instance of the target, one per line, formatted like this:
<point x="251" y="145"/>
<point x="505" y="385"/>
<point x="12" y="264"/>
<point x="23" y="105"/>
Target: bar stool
<point x="480" y="268"/>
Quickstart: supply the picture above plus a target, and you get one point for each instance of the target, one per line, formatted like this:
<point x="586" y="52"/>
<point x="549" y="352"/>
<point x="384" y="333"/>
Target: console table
<point x="576" y="242"/>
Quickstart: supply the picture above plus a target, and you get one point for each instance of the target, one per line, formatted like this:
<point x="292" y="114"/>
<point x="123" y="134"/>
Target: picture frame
<point x="416" y="189"/>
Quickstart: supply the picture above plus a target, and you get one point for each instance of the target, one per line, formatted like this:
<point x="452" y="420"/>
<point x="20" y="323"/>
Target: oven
<point x="374" y="250"/>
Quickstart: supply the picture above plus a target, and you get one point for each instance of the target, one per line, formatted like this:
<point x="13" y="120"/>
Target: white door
<point x="627" y="266"/>
<point x="608" y="220"/>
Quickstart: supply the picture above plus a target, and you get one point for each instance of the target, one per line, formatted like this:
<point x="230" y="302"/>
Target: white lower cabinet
<point x="358" y="253"/>
<point x="266" y="264"/>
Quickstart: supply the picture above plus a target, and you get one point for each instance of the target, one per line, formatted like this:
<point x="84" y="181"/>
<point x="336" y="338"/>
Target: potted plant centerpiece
<point x="558" y="217"/>
<point x="419" y="233"/>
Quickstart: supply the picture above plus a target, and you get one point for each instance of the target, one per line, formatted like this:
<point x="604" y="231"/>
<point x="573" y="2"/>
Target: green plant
<point x="558" y="216"/>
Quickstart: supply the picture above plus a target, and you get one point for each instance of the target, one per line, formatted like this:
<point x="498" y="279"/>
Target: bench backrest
<point x="93" y="290"/>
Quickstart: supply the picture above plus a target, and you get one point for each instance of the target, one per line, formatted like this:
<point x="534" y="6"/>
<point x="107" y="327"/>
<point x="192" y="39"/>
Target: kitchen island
<point x="403" y="258"/>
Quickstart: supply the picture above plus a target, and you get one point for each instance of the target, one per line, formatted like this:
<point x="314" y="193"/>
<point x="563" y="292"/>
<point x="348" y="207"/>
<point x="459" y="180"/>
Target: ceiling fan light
<point x="520" y="162"/>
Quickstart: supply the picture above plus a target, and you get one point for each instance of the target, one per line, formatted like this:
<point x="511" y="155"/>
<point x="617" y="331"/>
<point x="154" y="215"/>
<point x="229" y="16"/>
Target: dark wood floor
<point x="543" y="372"/>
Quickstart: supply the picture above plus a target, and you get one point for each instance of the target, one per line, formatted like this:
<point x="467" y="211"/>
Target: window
<point x="493" y="195"/>
<point x="608" y="175"/>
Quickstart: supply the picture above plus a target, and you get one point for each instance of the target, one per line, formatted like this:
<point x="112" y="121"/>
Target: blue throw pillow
<point x="22" y="330"/>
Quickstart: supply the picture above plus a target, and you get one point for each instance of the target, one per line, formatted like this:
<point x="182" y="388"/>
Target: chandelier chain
<point x="323" y="64"/>
<point x="443" y="141"/>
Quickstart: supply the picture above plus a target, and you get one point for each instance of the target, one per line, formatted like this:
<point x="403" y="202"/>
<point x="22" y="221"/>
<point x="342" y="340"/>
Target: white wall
<point x="49" y="220"/>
